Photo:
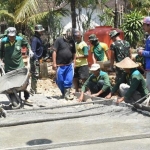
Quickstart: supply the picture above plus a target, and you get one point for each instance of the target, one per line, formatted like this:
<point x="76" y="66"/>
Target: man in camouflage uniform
<point x="120" y="50"/>
<point x="37" y="49"/>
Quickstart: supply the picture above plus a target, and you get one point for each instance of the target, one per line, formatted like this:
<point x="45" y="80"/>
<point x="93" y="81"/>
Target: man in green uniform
<point x="120" y="50"/>
<point x="10" y="53"/>
<point x="99" y="49"/>
<point x="98" y="83"/>
<point x="131" y="85"/>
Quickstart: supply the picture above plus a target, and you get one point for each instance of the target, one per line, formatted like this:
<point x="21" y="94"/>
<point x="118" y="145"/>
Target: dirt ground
<point x="48" y="87"/>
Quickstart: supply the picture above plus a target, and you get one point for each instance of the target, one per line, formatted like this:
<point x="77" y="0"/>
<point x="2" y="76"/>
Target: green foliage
<point x="107" y="18"/>
<point x="132" y="27"/>
<point x="140" y="5"/>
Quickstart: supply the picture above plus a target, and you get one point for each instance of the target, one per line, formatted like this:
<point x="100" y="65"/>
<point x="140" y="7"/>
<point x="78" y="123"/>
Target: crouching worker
<point x="131" y="85"/>
<point x="98" y="83"/>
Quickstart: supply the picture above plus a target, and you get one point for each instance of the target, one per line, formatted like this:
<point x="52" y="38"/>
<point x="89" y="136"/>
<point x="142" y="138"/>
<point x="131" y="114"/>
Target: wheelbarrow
<point x="12" y="84"/>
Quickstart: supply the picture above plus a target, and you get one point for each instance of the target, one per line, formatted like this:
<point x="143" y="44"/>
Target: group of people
<point x="70" y="53"/>
<point x="71" y="65"/>
<point x="11" y="56"/>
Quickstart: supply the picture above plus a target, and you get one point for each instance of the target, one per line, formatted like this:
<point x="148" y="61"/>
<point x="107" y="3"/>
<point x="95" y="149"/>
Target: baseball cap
<point x="94" y="67"/>
<point x="11" y="31"/>
<point x="146" y="20"/>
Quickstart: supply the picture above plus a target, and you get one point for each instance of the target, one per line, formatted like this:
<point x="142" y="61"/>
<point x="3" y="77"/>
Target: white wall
<point x="66" y="21"/>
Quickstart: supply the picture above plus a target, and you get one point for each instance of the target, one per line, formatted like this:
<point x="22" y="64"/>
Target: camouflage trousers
<point x="35" y="71"/>
<point x="119" y="73"/>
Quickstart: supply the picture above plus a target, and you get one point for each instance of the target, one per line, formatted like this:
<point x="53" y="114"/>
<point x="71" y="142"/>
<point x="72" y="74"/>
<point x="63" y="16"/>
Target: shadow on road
<point x="39" y="142"/>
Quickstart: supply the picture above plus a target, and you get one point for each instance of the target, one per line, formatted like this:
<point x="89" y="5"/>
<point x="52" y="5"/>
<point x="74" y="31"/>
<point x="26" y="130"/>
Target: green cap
<point x="93" y="37"/>
<point x="114" y="33"/>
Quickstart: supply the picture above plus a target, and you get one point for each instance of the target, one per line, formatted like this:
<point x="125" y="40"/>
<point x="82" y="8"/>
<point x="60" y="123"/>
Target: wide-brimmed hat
<point x="94" y="67"/>
<point x="146" y="20"/>
<point x="114" y="33"/>
<point x="11" y="31"/>
<point x="39" y="28"/>
<point x="93" y="37"/>
<point x="127" y="63"/>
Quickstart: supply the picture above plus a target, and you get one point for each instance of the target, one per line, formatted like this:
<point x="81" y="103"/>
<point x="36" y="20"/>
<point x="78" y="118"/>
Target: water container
<point x="102" y="33"/>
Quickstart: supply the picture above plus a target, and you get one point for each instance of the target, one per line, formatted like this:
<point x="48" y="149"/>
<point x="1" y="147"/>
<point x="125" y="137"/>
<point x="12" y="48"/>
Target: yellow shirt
<point x="79" y="52"/>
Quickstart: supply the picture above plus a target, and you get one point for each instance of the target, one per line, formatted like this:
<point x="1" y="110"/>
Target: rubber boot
<point x="68" y="94"/>
<point x="2" y="112"/>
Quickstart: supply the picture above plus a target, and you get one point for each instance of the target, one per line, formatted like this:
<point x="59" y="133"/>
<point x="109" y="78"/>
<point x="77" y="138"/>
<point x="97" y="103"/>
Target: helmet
<point x="39" y="28"/>
<point x="11" y="31"/>
<point x="114" y="33"/>
<point x="93" y="37"/>
<point x="146" y="20"/>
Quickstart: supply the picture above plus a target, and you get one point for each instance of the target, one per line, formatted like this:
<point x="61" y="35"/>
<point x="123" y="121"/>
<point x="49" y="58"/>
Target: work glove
<point x="31" y="54"/>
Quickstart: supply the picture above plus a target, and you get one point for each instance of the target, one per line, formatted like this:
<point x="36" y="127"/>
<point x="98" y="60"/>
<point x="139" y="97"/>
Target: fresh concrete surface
<point x="140" y="144"/>
<point x="65" y="131"/>
<point x="111" y="122"/>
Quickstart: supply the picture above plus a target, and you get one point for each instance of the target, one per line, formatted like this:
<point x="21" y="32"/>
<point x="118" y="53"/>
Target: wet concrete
<point x="99" y="122"/>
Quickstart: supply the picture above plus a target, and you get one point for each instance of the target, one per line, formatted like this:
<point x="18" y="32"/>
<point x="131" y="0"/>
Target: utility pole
<point x="116" y="14"/>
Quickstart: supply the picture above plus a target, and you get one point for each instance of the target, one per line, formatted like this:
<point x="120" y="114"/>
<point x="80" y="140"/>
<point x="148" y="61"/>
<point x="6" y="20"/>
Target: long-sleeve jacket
<point x="37" y="46"/>
<point x="136" y="82"/>
<point x="102" y="76"/>
<point x="146" y="54"/>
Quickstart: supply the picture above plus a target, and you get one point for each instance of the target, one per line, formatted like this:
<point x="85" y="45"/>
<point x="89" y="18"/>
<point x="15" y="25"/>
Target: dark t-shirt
<point x="64" y="50"/>
<point x="121" y="49"/>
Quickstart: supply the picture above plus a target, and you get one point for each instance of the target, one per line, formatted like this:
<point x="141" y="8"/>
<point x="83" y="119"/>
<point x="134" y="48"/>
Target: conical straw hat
<point x="127" y="63"/>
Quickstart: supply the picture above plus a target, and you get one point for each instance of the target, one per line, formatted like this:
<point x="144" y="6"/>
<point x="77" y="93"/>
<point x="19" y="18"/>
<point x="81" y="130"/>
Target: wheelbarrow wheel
<point x="15" y="103"/>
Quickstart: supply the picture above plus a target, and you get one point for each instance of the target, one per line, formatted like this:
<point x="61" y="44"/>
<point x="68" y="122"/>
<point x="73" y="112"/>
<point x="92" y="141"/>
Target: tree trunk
<point x="116" y="14"/>
<point x="73" y="13"/>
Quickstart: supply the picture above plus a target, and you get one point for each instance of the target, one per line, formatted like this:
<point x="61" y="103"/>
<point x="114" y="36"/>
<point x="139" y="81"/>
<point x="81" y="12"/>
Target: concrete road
<point x="104" y="127"/>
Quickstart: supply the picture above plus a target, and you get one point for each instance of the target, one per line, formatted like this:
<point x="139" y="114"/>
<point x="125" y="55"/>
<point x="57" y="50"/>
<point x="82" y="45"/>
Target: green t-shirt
<point x="99" y="51"/>
<point x="102" y="76"/>
<point x="11" y="53"/>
